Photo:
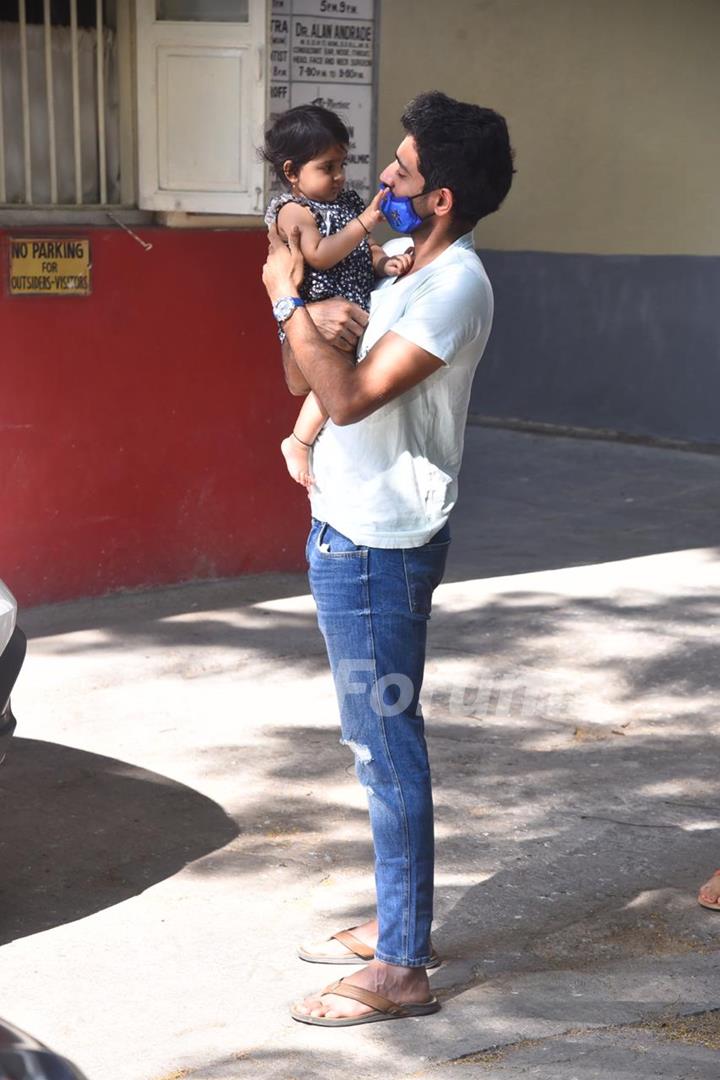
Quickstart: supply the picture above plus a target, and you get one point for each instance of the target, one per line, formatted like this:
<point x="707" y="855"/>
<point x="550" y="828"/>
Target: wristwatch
<point x="283" y="308"/>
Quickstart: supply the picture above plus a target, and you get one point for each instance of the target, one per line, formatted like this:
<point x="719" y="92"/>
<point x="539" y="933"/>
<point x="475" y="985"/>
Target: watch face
<point x="283" y="309"/>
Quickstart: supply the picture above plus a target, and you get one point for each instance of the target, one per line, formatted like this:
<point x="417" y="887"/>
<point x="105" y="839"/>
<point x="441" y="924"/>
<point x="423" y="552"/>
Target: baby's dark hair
<point x="301" y="134"/>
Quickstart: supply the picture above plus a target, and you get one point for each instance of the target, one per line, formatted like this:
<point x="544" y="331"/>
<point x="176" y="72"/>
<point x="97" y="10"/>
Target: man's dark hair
<point x="301" y="134"/>
<point x="463" y="147"/>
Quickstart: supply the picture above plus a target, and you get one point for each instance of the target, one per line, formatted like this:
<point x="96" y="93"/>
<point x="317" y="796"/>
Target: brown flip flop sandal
<point x="382" y="1008"/>
<point x="360" y="953"/>
<point x="713" y="905"/>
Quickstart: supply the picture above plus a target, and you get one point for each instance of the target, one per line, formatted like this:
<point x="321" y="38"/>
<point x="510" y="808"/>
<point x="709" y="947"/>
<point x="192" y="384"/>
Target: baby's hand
<point x="397" y="265"/>
<point x="372" y="215"/>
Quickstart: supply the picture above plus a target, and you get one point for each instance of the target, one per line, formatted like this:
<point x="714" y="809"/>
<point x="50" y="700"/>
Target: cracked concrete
<point x="631" y="1051"/>
<point x="183" y="813"/>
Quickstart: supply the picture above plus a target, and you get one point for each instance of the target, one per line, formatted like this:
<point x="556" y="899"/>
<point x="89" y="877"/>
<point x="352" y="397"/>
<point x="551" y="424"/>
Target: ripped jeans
<point x="373" y="606"/>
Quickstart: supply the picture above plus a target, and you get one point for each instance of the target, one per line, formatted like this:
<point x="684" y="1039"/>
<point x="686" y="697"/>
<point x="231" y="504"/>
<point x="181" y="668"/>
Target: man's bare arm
<point x="340" y="322"/>
<point x="349" y="393"/>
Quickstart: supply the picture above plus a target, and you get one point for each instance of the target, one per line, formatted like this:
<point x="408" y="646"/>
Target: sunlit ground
<point x="184" y="813"/>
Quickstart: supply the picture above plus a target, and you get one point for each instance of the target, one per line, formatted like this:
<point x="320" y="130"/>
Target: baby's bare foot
<point x="710" y="891"/>
<point x="297" y="459"/>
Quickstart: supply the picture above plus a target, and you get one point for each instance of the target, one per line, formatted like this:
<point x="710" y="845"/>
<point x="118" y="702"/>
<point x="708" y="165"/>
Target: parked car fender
<point x="13" y="646"/>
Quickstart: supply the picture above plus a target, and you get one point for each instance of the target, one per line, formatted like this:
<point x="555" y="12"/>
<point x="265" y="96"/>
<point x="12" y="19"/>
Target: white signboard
<point x="322" y="52"/>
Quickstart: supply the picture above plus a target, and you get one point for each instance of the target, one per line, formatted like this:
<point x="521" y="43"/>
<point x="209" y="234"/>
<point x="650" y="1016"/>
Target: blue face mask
<point x="399" y="212"/>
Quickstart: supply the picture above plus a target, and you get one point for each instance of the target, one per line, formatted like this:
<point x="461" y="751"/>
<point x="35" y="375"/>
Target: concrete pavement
<point x="182" y="812"/>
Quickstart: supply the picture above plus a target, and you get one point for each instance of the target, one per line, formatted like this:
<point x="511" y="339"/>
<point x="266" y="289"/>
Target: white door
<point x="201" y="104"/>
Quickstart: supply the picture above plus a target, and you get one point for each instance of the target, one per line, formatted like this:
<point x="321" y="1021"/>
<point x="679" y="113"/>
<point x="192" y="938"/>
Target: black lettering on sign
<point x="48" y="261"/>
<point x="353" y="32"/>
<point x="58" y="249"/>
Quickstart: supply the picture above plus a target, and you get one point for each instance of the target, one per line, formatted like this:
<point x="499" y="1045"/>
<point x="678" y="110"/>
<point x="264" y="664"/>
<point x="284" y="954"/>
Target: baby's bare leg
<point x="296" y="448"/>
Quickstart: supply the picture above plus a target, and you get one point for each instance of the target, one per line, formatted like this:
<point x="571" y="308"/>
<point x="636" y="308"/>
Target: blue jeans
<point x="373" y="606"/>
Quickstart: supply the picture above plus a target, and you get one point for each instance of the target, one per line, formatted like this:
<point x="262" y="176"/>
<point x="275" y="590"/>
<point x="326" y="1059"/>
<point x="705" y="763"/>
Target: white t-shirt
<point x="390" y="480"/>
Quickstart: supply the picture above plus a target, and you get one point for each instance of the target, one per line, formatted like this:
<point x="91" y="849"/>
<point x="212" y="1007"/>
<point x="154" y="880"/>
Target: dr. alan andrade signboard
<point x="48" y="266"/>
<point x="322" y="51"/>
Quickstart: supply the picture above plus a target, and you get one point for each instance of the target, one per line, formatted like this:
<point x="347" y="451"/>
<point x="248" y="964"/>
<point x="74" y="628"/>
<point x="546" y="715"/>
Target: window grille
<point x="59" y="103"/>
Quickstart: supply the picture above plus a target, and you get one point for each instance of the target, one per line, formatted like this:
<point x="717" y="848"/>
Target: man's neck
<point x="430" y="240"/>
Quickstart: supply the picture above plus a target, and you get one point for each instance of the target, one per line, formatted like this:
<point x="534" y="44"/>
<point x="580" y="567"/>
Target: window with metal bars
<point x="59" y="103"/>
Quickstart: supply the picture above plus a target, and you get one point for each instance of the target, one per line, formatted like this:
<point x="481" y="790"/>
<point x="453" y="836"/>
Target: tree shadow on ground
<point x="82" y="832"/>
<point x="529" y="503"/>
<point x="621" y="1052"/>
<point x="553" y="866"/>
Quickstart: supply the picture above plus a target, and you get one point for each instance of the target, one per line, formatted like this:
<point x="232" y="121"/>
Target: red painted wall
<point x="140" y="427"/>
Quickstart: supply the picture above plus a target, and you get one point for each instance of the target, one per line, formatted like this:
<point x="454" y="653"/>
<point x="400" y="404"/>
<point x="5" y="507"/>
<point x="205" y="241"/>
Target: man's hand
<point x="284" y="267"/>
<point x="339" y="321"/>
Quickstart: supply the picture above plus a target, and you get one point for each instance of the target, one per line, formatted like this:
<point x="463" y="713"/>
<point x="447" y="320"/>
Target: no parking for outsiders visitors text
<point x="49" y="267"/>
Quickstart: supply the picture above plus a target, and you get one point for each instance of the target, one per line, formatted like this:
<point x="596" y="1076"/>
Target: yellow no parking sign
<point x="55" y="266"/>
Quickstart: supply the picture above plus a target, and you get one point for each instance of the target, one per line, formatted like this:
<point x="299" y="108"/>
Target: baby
<point x="307" y="147"/>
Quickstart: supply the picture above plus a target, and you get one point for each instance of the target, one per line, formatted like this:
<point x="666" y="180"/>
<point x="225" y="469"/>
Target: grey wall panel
<point x="625" y="342"/>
